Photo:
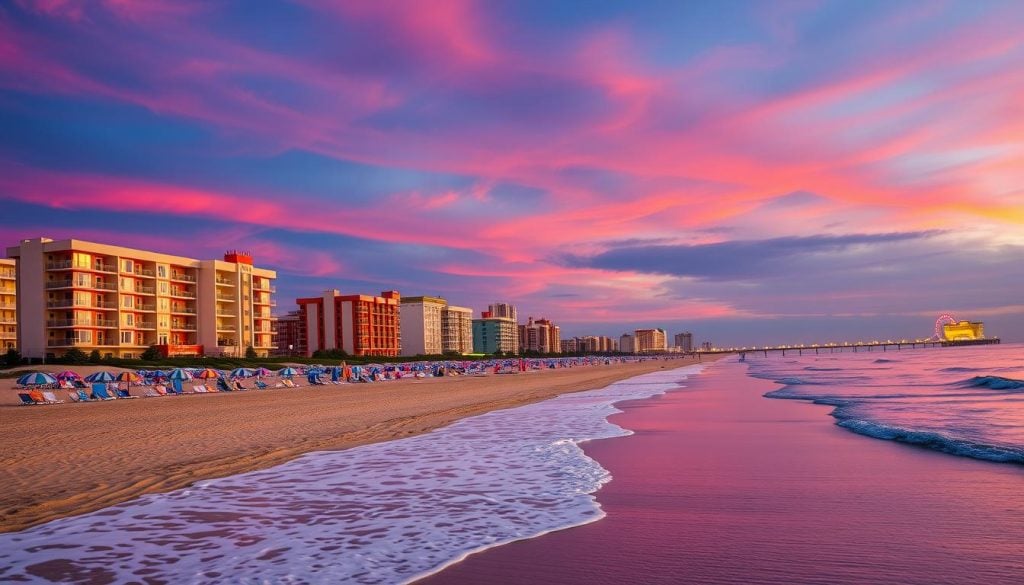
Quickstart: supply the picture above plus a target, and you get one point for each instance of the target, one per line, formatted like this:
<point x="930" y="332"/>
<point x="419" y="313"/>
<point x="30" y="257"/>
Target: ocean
<point x="965" y="401"/>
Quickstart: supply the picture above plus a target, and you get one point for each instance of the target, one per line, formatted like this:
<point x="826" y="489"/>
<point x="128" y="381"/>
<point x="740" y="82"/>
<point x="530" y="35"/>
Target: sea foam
<point x="383" y="513"/>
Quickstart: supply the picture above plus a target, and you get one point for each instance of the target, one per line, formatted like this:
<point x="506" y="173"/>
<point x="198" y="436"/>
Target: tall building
<point x="457" y="330"/>
<point x="627" y="343"/>
<point x="421" y="325"/>
<point x="684" y="341"/>
<point x="8" y="306"/>
<point x="494" y="334"/>
<point x="506" y="311"/>
<point x="120" y="301"/>
<point x="569" y="345"/>
<point x="356" y="324"/>
<point x="290" y="340"/>
<point x="650" y="340"/>
<point x="540" y="335"/>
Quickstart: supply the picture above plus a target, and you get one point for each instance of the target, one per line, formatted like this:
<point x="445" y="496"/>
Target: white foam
<point x="383" y="513"/>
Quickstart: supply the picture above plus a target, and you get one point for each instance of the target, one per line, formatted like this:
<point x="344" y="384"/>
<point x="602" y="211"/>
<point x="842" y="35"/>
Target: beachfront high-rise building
<point x="290" y="340"/>
<point x="569" y="345"/>
<point x="650" y="340"/>
<point x="421" y="325"/>
<point x="627" y="343"/>
<point x="8" y="306"/>
<point x="457" y="330"/>
<point x="506" y="311"/>
<point x="356" y="324"/>
<point x="493" y="334"/>
<point x="540" y="335"/>
<point x="684" y="341"/>
<point x="120" y="301"/>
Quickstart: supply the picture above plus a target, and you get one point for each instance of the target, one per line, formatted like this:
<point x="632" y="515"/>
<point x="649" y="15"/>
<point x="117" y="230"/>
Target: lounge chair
<point x="124" y="394"/>
<point x="222" y="385"/>
<point x="150" y="393"/>
<point x="160" y="390"/>
<point x="73" y="396"/>
<point x="26" y="399"/>
<point x="198" y="389"/>
<point x="37" y="397"/>
<point x="82" y="396"/>
<point x="51" y="398"/>
<point x="288" y="383"/>
<point x="99" y="392"/>
<point x="261" y="385"/>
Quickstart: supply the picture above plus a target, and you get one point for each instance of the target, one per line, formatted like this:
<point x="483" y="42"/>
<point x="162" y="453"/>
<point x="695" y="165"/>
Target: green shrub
<point x="75" y="356"/>
<point x="151" y="354"/>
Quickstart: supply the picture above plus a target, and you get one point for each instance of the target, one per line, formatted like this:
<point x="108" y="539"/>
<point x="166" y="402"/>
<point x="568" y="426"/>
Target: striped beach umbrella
<point x="37" y="379"/>
<point x="207" y="374"/>
<point x="287" y="372"/>
<point x="242" y="373"/>
<point x="179" y="374"/>
<point x="101" y="376"/>
<point x="157" y="374"/>
<point x="68" y="375"/>
<point x="130" y="377"/>
<point x="261" y="372"/>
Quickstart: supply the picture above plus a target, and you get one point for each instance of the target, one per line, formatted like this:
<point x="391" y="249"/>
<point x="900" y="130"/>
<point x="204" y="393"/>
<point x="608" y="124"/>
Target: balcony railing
<point x="183" y="277"/>
<point x="145" y="273"/>
<point x="183" y="310"/>
<point x="81" y="323"/>
<point x="73" y="284"/>
<point x="225" y="282"/>
<point x="182" y="294"/>
<point x="9" y="275"/>
<point x="73" y="342"/>
<point x="146" y="308"/>
<point x="61" y="265"/>
<point x="8" y="322"/>
<point x="227" y="328"/>
<point x="68" y="303"/>
<point x="144" y="290"/>
<point x="183" y="327"/>
<point x="226" y="298"/>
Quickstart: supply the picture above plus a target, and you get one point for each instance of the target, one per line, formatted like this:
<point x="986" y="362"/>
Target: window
<point x="161" y="271"/>
<point x="128" y="302"/>
<point x="129" y="319"/>
<point x="82" y="260"/>
<point x="163" y="288"/>
<point x="163" y="304"/>
<point x="126" y="337"/>
<point x="127" y="266"/>
<point x="81" y="279"/>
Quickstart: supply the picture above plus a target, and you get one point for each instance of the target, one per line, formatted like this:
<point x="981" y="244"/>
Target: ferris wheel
<point x="944" y="319"/>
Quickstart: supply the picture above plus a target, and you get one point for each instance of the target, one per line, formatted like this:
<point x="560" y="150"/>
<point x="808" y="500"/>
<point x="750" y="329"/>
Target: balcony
<point x="143" y="290"/>
<point x="144" y="273"/>
<point x="75" y="342"/>
<point x="8" y="322"/>
<point x="183" y="327"/>
<point x="226" y="298"/>
<point x="144" y="308"/>
<point x="224" y="328"/>
<point x="71" y="303"/>
<point x="140" y="325"/>
<point x="183" y="311"/>
<point x="7" y="275"/>
<point x="182" y="294"/>
<point x="264" y="287"/>
<point x="225" y="282"/>
<point x="61" y="265"/>
<point x="98" y="323"/>
<point x="72" y="284"/>
<point x="182" y="277"/>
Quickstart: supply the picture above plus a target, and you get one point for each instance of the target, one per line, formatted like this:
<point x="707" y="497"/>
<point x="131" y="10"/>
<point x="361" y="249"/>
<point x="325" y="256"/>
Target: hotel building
<point x="120" y="301"/>
<point x="627" y="343"/>
<point x="8" y="306"/>
<point x="506" y="311"/>
<point x="359" y="325"/>
<point x="684" y="341"/>
<point x="457" y="330"/>
<point x="493" y="334"/>
<point x="421" y="325"/>
<point x="650" y="340"/>
<point x="290" y="340"/>
<point x="540" y="335"/>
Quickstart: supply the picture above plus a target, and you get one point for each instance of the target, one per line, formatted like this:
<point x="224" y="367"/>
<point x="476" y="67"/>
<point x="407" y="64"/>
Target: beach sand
<point x="69" y="459"/>
<point x="720" y="485"/>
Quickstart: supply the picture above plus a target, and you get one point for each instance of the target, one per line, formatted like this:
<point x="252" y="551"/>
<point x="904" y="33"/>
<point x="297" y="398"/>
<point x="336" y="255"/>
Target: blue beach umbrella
<point x="37" y="379"/>
<point x="335" y="374"/>
<point x="287" y="372"/>
<point x="180" y="374"/>
<point x="242" y="373"/>
<point x="102" y="376"/>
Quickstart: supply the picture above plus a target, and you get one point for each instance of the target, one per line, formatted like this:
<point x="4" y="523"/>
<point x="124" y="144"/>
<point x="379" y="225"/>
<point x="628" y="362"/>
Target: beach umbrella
<point x="335" y="374"/>
<point x="37" y="379"/>
<point x="128" y="377"/>
<point x="102" y="376"/>
<point x="180" y="374"/>
<point x="287" y="372"/>
<point x="242" y="373"/>
<point x="157" y="374"/>
<point x="208" y="374"/>
<point x="67" y="375"/>
<point x="261" y="372"/>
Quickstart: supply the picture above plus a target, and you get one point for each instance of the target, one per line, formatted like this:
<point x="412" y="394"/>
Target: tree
<point x="75" y="356"/>
<point x="250" y="353"/>
<point x="12" y="358"/>
<point x="151" y="354"/>
<point x="95" y="357"/>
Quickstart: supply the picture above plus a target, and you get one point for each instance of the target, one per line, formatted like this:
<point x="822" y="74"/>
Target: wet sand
<point x="721" y="485"/>
<point x="69" y="459"/>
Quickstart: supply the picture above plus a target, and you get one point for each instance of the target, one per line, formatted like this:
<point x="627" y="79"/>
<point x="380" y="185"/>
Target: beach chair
<point x="26" y="400"/>
<point x="73" y="396"/>
<point x="261" y="385"/>
<point x="150" y="393"/>
<point x="160" y="390"/>
<point x="51" y="398"/>
<point x="79" y="384"/>
<point x="82" y="396"/>
<point x="99" y="392"/>
<point x="198" y="389"/>
<point x="37" y="397"/>
<point x="222" y="385"/>
<point x="288" y="383"/>
<point x="124" y="394"/>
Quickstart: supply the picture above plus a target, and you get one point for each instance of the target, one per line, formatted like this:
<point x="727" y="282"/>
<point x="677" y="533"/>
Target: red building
<point x="357" y="324"/>
<point x="290" y="338"/>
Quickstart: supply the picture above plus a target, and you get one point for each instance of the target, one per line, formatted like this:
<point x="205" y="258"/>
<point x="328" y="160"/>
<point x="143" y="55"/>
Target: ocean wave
<point x="958" y="369"/>
<point x="820" y="369"/>
<point x="382" y="513"/>
<point x="884" y="361"/>
<point x="934" y="440"/>
<point x="994" y="383"/>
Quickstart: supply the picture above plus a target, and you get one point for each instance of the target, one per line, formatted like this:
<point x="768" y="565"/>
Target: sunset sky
<point x="853" y="168"/>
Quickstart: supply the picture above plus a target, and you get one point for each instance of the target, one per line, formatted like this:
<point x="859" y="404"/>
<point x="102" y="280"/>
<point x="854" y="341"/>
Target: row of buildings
<point x="56" y="295"/>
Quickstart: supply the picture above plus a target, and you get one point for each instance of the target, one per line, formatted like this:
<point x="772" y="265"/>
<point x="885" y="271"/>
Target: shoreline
<point x="77" y="458"/>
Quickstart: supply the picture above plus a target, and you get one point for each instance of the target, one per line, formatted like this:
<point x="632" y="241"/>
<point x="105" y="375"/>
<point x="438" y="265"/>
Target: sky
<point x="753" y="172"/>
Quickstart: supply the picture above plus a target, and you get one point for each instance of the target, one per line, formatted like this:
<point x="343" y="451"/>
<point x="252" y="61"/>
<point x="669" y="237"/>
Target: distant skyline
<point x="781" y="172"/>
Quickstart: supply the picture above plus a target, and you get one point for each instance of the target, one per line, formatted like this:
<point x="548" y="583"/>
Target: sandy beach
<point x="69" y="459"/>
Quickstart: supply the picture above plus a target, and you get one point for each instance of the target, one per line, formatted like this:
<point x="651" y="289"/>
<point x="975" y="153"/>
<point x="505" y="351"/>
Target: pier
<point x="853" y="347"/>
